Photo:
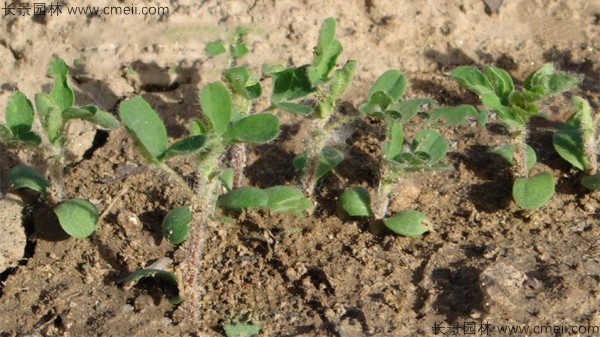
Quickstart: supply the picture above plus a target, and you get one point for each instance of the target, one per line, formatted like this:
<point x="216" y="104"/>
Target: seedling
<point x="220" y="128"/>
<point x="293" y="83"/>
<point x="514" y="108"/>
<point x="77" y="217"/>
<point x="577" y="141"/>
<point x="397" y="160"/>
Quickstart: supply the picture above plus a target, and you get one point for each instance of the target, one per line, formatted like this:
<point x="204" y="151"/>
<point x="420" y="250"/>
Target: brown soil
<point x="484" y="261"/>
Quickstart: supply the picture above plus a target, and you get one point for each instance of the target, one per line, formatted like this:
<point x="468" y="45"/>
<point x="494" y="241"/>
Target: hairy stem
<point x="238" y="163"/>
<point x="382" y="195"/>
<point x="314" y="155"/>
<point x="57" y="168"/>
<point x="175" y="176"/>
<point x="519" y="140"/>
<point x="588" y="129"/>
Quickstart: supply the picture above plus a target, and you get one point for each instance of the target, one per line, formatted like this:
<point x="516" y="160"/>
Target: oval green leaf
<point x="395" y="140"/>
<point x="456" y="115"/>
<point x="175" y="224"/>
<point x="50" y="115"/>
<point x="215" y="101"/>
<point x="330" y="159"/>
<point x="145" y="127"/>
<point x="244" y="197"/>
<point x="473" y="80"/>
<point x="61" y="93"/>
<point x="392" y="83"/>
<point x="591" y="182"/>
<point x="241" y="330"/>
<point x="569" y="145"/>
<point x="23" y="176"/>
<point x="295" y="108"/>
<point x="185" y="146"/>
<point x="533" y="192"/>
<point x="258" y="128"/>
<point x="287" y="199"/>
<point x="408" y="223"/>
<point x="77" y="217"/>
<point x="19" y="114"/>
<point x="432" y="143"/>
<point x="356" y="201"/>
<point x="214" y="48"/>
<point x="502" y="81"/>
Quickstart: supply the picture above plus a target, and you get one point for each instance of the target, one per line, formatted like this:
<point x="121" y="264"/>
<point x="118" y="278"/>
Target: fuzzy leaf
<point x="454" y="116"/>
<point x="286" y="199"/>
<point x="356" y="201"/>
<point x="533" y="192"/>
<point x="226" y="179"/>
<point x="568" y="143"/>
<point x="392" y="83"/>
<point x="473" y="80"/>
<point x="77" y="217"/>
<point x="295" y="108"/>
<point x="196" y="128"/>
<point x="244" y="197"/>
<point x="507" y="151"/>
<point x="408" y="223"/>
<point x="258" y="128"/>
<point x="290" y="84"/>
<point x="432" y="143"/>
<point x="50" y="116"/>
<point x="103" y="119"/>
<point x="330" y="158"/>
<point x="405" y="110"/>
<point x="241" y="330"/>
<point x="23" y="176"/>
<point x="19" y="114"/>
<point x="395" y="140"/>
<point x="237" y="77"/>
<point x="61" y="93"/>
<point x="507" y="115"/>
<point x="502" y="81"/>
<point x="591" y="182"/>
<point x="214" y="48"/>
<point x="326" y="53"/>
<point x="215" y="101"/>
<point x="175" y="224"/>
<point x="341" y="79"/>
<point x="188" y="145"/>
<point x="146" y="128"/>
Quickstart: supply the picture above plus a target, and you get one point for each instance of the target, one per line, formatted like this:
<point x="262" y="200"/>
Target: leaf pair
<point x="329" y="159"/>
<point x="77" y="217"/>
<point x="19" y="120"/>
<point x="426" y="151"/>
<point x="356" y="201"/>
<point x="283" y="199"/>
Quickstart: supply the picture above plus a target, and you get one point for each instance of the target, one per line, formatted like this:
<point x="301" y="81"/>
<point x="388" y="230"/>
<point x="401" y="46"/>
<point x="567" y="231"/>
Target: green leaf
<point x="295" y="108"/>
<point x="19" y="114"/>
<point x="76" y="113"/>
<point x="30" y="138"/>
<point x="300" y="161"/>
<point x="99" y="117"/>
<point x="591" y="182"/>
<point x="533" y="192"/>
<point x="5" y="134"/>
<point x="454" y="116"/>
<point x="241" y="330"/>
<point x="270" y="69"/>
<point x="392" y="83"/>
<point x="356" y="201"/>
<point x="175" y="224"/>
<point x="258" y="128"/>
<point x="432" y="143"/>
<point x="507" y="151"/>
<point x="145" y="127"/>
<point x="214" y="48"/>
<point x="237" y="77"/>
<point x="50" y="116"/>
<point x="408" y="223"/>
<point x="23" y="176"/>
<point x="77" y="217"/>
<point x="244" y="197"/>
<point x="473" y="80"/>
<point x="507" y="115"/>
<point x="290" y="84"/>
<point x="395" y="140"/>
<point x="286" y="199"/>
<point x="188" y="145"/>
<point x="61" y="93"/>
<point x="568" y="143"/>
<point x="502" y="81"/>
<point x="405" y="110"/>
<point x="159" y="274"/>
<point x="326" y="53"/>
<point x="238" y="50"/>
<point x="547" y="81"/>
<point x="226" y="178"/>
<point x="341" y="79"/>
<point x="216" y="103"/>
<point x="196" y="128"/>
<point x="532" y="79"/>
<point x="330" y="158"/>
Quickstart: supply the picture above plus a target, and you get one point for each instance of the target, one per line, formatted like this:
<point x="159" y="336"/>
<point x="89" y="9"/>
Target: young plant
<point x="293" y="83"/>
<point x="577" y="141"/>
<point x="211" y="137"/>
<point x="77" y="217"/>
<point x="397" y="159"/>
<point x="497" y="92"/>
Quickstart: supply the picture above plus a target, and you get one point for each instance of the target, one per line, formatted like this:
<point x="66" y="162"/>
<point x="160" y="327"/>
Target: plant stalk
<point x="519" y="140"/>
<point x="238" y="163"/>
<point x="588" y="129"/>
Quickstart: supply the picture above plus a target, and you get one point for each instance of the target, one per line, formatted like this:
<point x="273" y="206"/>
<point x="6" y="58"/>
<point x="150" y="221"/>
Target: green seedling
<point x="514" y="108"/>
<point x="328" y="85"/>
<point x="241" y="329"/>
<point x="397" y="159"/>
<point x="577" y="141"/>
<point x="77" y="217"/>
<point x="219" y="129"/>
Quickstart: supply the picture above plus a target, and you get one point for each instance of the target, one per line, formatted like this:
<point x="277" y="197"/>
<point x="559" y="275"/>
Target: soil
<point x="485" y="261"/>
